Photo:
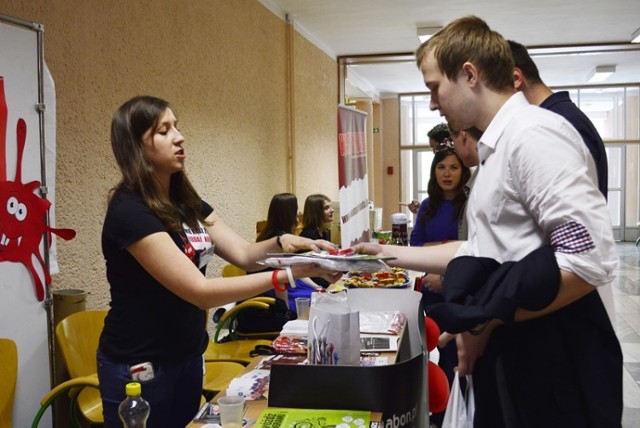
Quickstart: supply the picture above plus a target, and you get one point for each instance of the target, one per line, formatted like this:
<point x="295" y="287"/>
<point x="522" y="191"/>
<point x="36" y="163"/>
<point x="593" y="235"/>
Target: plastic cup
<point x="302" y="307"/>
<point x="232" y="410"/>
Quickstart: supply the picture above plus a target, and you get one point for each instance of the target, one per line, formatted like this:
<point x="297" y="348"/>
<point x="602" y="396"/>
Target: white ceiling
<point x="363" y="27"/>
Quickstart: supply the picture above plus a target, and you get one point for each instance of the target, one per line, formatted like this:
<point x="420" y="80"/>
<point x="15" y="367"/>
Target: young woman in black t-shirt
<point x="157" y="239"/>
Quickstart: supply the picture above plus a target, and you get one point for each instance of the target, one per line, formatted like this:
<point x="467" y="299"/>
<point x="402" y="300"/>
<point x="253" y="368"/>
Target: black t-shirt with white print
<point x="146" y="321"/>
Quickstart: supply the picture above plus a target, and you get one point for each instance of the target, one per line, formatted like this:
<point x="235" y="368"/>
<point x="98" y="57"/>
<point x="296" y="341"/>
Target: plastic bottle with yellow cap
<point x="134" y="410"/>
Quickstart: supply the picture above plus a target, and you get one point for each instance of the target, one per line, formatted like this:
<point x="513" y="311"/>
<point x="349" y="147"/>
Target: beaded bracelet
<point x="276" y="284"/>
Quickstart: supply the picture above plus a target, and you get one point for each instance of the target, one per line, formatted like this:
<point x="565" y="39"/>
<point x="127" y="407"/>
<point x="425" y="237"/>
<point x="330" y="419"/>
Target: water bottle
<point x="134" y="410"/>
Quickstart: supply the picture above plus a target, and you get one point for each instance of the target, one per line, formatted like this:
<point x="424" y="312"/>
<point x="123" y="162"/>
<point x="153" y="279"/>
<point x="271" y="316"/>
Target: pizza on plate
<point x="393" y="278"/>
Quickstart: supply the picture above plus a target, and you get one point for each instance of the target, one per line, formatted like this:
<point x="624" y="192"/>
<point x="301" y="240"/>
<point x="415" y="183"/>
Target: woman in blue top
<point x="437" y="221"/>
<point x="438" y="215"/>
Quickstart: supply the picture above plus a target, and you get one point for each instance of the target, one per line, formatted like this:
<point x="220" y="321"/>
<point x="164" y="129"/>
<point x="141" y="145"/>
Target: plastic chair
<point x="230" y="348"/>
<point x="232" y="270"/>
<point x="8" y="379"/>
<point x="227" y="320"/>
<point x="237" y="351"/>
<point x="218" y="375"/>
<point x="78" y="336"/>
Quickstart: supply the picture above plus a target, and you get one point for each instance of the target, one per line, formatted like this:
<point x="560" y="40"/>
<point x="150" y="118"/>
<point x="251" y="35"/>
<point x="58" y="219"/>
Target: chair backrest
<point x="8" y="379"/>
<point x="260" y="225"/>
<point x="232" y="270"/>
<point x="78" y="336"/>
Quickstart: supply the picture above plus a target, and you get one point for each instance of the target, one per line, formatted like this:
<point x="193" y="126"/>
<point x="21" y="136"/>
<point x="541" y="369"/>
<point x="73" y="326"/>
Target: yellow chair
<point x="218" y="375"/>
<point x="78" y="336"/>
<point x="8" y="379"/>
<point x="237" y="351"/>
<point x="232" y="270"/>
<point x="227" y="320"/>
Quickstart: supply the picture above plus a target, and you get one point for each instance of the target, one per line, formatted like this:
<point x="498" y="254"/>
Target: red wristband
<point x="276" y="284"/>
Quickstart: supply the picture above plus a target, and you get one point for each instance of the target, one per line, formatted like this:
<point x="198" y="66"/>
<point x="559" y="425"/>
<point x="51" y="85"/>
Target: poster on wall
<point x="352" y="176"/>
<point x="24" y="232"/>
<point x="26" y="87"/>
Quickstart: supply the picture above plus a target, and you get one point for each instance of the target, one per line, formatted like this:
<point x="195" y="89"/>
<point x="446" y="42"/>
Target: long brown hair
<point x="436" y="195"/>
<point x="313" y="215"/>
<point x="128" y="126"/>
<point x="282" y="216"/>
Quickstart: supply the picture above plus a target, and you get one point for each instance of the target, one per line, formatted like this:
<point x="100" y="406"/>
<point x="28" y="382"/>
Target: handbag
<point x="461" y="406"/>
<point x="256" y="318"/>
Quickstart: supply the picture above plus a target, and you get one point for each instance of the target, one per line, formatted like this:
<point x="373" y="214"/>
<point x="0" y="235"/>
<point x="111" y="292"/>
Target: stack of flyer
<point x="253" y="385"/>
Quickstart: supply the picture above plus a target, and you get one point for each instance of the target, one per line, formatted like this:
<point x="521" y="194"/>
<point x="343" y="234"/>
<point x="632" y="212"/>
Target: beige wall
<point x="222" y="65"/>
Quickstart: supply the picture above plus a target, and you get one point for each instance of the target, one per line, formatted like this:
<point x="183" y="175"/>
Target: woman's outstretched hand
<point x="368" y="248"/>
<point x="294" y="243"/>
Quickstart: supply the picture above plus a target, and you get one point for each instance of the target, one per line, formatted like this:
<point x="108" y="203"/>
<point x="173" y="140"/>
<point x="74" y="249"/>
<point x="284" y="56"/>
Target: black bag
<point x="259" y="323"/>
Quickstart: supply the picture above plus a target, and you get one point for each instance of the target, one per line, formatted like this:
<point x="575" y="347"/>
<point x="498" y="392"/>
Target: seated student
<point x="316" y="223"/>
<point x="282" y="218"/>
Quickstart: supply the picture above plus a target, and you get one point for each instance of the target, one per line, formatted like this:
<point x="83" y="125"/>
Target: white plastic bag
<point x="461" y="406"/>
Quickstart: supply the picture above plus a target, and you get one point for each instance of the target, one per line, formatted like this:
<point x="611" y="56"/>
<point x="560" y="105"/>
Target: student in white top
<point x="535" y="187"/>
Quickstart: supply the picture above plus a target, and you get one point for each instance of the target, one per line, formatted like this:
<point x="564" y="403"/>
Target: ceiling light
<point x="425" y="33"/>
<point x="635" y="36"/>
<point x="601" y="73"/>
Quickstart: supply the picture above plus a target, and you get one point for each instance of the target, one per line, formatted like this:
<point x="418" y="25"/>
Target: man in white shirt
<point x="535" y="187"/>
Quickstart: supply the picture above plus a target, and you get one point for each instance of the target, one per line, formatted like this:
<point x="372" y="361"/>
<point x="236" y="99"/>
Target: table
<point x="409" y="368"/>
<point x="255" y="407"/>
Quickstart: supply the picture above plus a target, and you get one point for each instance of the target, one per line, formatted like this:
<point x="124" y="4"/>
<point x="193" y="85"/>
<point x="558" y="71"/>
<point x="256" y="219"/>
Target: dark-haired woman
<point x="316" y="223"/>
<point x="438" y="215"/>
<point x="157" y="239"/>
<point x="282" y="217"/>
<point x="437" y="221"/>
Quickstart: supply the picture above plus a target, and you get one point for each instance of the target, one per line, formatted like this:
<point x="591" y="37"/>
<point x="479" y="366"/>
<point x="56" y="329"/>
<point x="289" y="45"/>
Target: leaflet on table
<point x="345" y="263"/>
<point x="253" y="385"/>
<point x="267" y="362"/>
<point x="282" y="417"/>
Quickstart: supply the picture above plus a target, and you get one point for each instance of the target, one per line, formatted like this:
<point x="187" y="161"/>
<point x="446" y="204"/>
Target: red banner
<point x="353" y="181"/>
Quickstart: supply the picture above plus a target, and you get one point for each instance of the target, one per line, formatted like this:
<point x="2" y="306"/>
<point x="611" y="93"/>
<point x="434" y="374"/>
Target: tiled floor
<point x="626" y="302"/>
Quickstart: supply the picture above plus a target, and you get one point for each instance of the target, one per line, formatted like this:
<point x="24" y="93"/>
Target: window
<point x="416" y="120"/>
<point x="615" y="112"/>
